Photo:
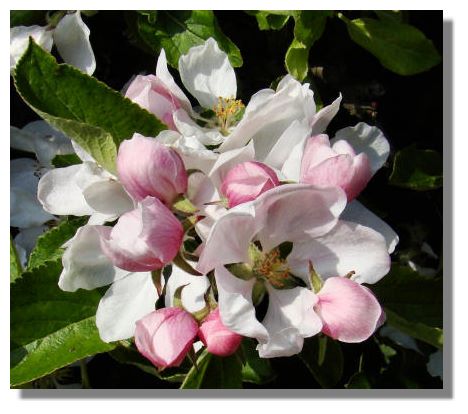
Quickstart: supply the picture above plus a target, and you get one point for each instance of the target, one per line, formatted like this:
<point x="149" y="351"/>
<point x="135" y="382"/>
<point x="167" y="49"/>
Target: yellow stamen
<point x="272" y="268"/>
<point x="226" y="109"/>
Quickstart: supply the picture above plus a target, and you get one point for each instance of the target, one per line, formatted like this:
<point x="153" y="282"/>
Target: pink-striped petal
<point x="143" y="239"/>
<point x="165" y="336"/>
<point x="149" y="168"/>
<point x="349" y="311"/>
<point x="218" y="339"/>
<point x="246" y="181"/>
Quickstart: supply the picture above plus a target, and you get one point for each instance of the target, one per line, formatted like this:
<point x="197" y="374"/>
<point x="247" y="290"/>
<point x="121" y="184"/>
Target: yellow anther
<point x="272" y="268"/>
<point x="225" y="110"/>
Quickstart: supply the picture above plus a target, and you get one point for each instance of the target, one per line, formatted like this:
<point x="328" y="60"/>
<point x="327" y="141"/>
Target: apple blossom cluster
<point x="237" y="221"/>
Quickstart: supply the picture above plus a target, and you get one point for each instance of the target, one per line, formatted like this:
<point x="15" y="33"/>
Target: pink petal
<point x="361" y="176"/>
<point x="149" y="168"/>
<point x="218" y="339"/>
<point x="152" y="94"/>
<point x="143" y="239"/>
<point x="297" y="212"/>
<point x="336" y="171"/>
<point x="337" y="166"/>
<point x="349" y="311"/>
<point x="317" y="149"/>
<point x="246" y="181"/>
<point x="165" y="336"/>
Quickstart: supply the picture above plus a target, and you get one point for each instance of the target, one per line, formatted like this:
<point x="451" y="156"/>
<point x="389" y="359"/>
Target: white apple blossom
<point x="84" y="189"/>
<point x="131" y="295"/>
<point x="333" y="246"/>
<point x="208" y="75"/>
<point x="26" y="213"/>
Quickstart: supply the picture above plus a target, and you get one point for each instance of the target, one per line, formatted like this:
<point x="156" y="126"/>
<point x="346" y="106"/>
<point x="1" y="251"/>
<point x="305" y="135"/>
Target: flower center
<point x="272" y="268"/>
<point x="227" y="111"/>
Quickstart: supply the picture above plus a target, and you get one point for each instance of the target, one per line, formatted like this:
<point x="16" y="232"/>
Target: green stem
<point x="84" y="374"/>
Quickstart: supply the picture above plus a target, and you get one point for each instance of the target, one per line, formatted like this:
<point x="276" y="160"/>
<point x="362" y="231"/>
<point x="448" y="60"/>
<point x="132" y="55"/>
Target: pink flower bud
<point x="350" y="312"/>
<point x="165" y="336"/>
<point x="151" y="93"/>
<point x="143" y="239"/>
<point x="246" y="181"/>
<point x="218" y="339"/>
<point x="336" y="166"/>
<point x="149" y="168"/>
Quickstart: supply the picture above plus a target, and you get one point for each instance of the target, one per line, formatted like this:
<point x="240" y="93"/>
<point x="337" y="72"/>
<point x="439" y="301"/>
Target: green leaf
<point x="177" y="31"/>
<point x="15" y="265"/>
<point x="269" y="20"/>
<point x="308" y="28"/>
<point x="127" y="354"/>
<point x="412" y="296"/>
<point x="399" y="47"/>
<point x="49" y="244"/>
<point x="417" y="169"/>
<point x="65" y="160"/>
<point x="214" y="372"/>
<point x="27" y="17"/>
<point x="413" y="303"/>
<point x="392" y="15"/>
<point x="358" y="381"/>
<point x="95" y="116"/>
<point x="431" y="335"/>
<point x="324" y="359"/>
<point x="255" y="369"/>
<point x="49" y="328"/>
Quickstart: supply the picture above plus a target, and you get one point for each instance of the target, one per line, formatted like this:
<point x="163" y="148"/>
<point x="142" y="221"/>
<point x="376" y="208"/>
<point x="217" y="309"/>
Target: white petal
<point x="21" y="140"/>
<point x="192" y="294"/>
<point x="125" y="302"/>
<point x="287" y="153"/>
<point x="25" y="174"/>
<point x="71" y="36"/>
<point x="399" y="337"/>
<point x="235" y="305"/>
<point x="228" y="241"/>
<point x="25" y="210"/>
<point x="272" y="114"/>
<point x="108" y="197"/>
<point x="61" y="190"/>
<point x="297" y="212"/>
<point x="189" y="128"/>
<point x="323" y="117"/>
<point x="82" y="154"/>
<point x="84" y="264"/>
<point x="100" y="218"/>
<point x="26" y="238"/>
<point x="207" y="74"/>
<point x="193" y="152"/>
<point x="347" y="247"/>
<point x="164" y="75"/>
<point x="435" y="366"/>
<point x="357" y="213"/>
<point x="201" y="190"/>
<point x="19" y="40"/>
<point x="367" y="139"/>
<point x="289" y="319"/>
<point x="22" y="255"/>
<point x="48" y="142"/>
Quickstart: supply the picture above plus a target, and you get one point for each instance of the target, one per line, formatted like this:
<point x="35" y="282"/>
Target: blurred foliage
<point x="177" y="31"/>
<point x="417" y="169"/>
